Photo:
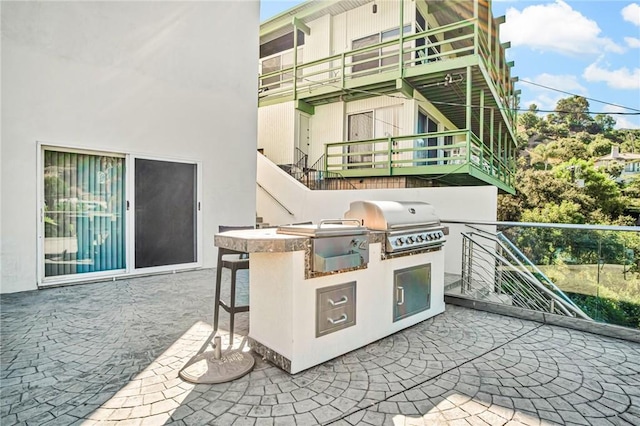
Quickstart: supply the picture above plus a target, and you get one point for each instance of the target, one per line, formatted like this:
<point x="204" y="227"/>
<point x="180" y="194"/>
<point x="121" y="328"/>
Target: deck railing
<point x="419" y="154"/>
<point x="595" y="268"/>
<point x="345" y="71"/>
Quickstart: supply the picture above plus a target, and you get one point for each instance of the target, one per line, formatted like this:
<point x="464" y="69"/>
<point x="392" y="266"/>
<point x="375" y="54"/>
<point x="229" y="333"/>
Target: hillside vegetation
<point x="557" y="182"/>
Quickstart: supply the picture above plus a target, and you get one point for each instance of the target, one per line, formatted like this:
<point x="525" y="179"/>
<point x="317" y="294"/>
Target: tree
<point x="604" y="122"/>
<point x="565" y="149"/>
<point x="599" y="146"/>
<point x="543" y="153"/>
<point x="598" y="186"/>
<point x="574" y="111"/>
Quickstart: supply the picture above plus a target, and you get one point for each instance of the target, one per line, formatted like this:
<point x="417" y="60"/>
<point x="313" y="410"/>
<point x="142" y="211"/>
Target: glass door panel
<point x="84" y="213"/>
<point x="166" y="213"/>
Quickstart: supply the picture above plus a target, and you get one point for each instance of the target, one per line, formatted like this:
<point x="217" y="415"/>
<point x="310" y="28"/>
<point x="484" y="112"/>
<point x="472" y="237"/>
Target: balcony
<point x="453" y="158"/>
<point x="459" y="67"/>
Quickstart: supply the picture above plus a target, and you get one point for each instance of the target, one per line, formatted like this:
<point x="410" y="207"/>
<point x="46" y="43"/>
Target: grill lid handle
<point x="338" y="221"/>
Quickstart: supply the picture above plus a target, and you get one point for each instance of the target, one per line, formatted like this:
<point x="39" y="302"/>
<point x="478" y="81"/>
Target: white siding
<point x="326" y="126"/>
<point x="276" y="132"/>
<point x="361" y="22"/>
<point x="139" y="77"/>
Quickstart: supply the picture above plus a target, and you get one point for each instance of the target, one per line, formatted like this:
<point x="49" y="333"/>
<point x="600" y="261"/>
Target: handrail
<point x="275" y="199"/>
<point x="529" y="263"/>
<point x="564" y="305"/>
<point x="546" y="225"/>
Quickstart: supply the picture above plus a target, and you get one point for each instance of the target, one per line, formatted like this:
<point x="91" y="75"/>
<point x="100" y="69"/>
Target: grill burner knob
<point x="399" y="241"/>
<point x="409" y="240"/>
<point x="419" y="238"/>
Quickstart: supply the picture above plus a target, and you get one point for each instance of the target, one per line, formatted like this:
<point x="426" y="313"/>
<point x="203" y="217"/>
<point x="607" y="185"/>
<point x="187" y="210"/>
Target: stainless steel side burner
<point x="409" y="225"/>
<point x="336" y="244"/>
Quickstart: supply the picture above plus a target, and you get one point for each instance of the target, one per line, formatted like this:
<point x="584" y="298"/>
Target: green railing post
<point x="390" y="154"/>
<point x="343" y="69"/>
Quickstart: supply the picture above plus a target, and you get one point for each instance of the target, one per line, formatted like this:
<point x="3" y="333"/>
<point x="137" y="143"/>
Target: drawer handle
<point x="401" y="295"/>
<point x="340" y="320"/>
<point x="342" y="301"/>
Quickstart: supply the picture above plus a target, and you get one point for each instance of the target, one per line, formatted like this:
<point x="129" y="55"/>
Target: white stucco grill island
<point x="300" y="318"/>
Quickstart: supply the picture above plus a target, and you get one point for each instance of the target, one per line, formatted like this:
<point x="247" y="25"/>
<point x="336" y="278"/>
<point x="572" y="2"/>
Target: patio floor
<point x="110" y="352"/>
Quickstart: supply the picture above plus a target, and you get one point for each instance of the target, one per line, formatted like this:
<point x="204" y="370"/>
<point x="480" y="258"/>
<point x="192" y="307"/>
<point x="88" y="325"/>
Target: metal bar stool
<point x="234" y="261"/>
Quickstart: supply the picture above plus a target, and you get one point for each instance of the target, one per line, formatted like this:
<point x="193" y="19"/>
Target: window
<point x="110" y="214"/>
<point x="276" y="55"/>
<point x="84" y="213"/>
<point x="383" y="57"/>
<point x="426" y="125"/>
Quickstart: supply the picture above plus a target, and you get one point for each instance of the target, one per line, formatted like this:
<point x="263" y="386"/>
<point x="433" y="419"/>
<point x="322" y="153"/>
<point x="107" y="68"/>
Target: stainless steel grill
<point x="409" y="225"/>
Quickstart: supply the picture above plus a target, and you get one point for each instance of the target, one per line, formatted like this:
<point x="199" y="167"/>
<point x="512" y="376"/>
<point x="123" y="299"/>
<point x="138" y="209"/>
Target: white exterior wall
<point x="326" y="126"/>
<point x="163" y="79"/>
<point x="276" y="131"/>
<point x="361" y="22"/>
<point x="296" y="203"/>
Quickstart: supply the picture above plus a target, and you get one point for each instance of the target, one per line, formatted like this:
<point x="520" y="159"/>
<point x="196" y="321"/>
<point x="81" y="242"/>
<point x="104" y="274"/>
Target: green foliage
<point x="600" y="146"/>
<point x="565" y="212"/>
<point x="574" y="111"/>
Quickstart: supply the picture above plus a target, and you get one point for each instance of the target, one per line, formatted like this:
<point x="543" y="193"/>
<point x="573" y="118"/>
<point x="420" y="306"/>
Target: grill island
<point x="319" y="291"/>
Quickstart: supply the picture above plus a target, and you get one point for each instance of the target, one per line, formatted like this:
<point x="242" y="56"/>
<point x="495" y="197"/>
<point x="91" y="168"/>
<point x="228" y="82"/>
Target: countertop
<point x="260" y="241"/>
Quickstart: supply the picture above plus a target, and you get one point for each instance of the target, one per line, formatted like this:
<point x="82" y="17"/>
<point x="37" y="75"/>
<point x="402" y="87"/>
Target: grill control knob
<point x="409" y="240"/>
<point x="430" y="237"/>
<point x="420" y="238"/>
<point x="399" y="241"/>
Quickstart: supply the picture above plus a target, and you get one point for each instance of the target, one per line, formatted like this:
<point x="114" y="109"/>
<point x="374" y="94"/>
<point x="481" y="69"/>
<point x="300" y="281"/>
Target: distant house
<point x="401" y="94"/>
<point x="629" y="161"/>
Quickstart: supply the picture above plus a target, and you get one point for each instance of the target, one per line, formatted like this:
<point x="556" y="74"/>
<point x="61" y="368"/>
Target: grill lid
<point x="390" y="215"/>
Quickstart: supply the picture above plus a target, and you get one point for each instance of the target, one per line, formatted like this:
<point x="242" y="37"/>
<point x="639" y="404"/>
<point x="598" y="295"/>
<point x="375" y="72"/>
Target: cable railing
<point x="491" y="271"/>
<point x="594" y="269"/>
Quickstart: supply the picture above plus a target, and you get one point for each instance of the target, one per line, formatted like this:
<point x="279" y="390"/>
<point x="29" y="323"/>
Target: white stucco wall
<point x="297" y="203"/>
<point x="163" y="79"/>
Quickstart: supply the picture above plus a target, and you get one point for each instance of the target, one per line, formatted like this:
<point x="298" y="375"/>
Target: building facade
<point x="397" y="93"/>
<point x="126" y="139"/>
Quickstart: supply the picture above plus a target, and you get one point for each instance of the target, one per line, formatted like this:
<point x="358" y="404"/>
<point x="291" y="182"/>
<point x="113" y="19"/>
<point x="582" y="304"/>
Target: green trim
<point x="297" y="23"/>
<point x="405" y="88"/>
<point x="481" y="175"/>
<point x="304" y="107"/>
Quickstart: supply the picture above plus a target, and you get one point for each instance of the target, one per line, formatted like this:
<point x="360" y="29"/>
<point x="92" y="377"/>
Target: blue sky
<point x="587" y="47"/>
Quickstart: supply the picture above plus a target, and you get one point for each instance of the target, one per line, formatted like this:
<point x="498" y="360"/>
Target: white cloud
<point x="622" y="78"/>
<point x="555" y="27"/>
<point x="631" y="13"/>
<point x="632" y="42"/>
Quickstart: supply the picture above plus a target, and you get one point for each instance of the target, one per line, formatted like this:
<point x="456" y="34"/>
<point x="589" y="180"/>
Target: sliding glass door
<point x="83" y="213"/>
<point x="166" y="214"/>
<point x="90" y="199"/>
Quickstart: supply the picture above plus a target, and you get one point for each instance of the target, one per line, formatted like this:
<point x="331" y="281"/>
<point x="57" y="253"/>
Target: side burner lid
<point x="326" y="228"/>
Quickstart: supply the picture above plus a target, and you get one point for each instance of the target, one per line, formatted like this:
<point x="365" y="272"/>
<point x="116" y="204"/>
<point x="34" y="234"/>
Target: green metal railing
<point x="390" y="60"/>
<point x="421" y="154"/>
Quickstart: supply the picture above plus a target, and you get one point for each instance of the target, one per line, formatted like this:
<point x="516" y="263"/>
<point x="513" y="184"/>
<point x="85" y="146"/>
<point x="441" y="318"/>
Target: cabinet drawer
<point x="334" y="297"/>
<point x="335" y="308"/>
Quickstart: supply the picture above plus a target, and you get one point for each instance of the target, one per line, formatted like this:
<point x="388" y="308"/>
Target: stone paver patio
<point x="110" y="352"/>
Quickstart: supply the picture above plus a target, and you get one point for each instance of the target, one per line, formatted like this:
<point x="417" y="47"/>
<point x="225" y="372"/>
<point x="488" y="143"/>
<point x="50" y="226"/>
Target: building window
<point x="276" y="55"/>
<point x="379" y="58"/>
<point x="84" y="213"/>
